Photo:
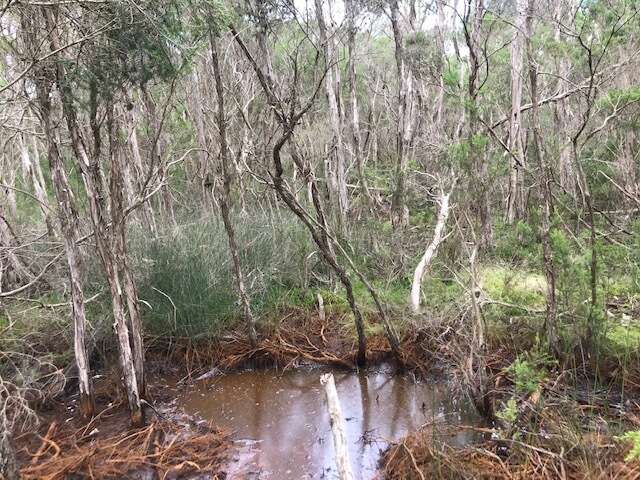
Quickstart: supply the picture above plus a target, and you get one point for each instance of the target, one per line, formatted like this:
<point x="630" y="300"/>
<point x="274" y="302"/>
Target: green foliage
<point x="529" y="370"/>
<point x="509" y="411"/>
<point x="632" y="437"/>
<point x="619" y="96"/>
<point x="518" y="245"/>
<point x="623" y="340"/>
<point x="145" y="41"/>
<point x="210" y="16"/>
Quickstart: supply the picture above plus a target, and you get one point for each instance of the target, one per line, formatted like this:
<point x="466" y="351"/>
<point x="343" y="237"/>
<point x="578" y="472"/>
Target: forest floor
<point x="562" y="425"/>
<point x="174" y="444"/>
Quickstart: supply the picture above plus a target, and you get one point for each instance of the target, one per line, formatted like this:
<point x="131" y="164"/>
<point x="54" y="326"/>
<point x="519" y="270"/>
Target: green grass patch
<point x="623" y="339"/>
<point x="187" y="285"/>
<point x="513" y="285"/>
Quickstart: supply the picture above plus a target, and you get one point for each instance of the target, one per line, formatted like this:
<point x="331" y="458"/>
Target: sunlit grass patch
<point x="624" y="338"/>
<point x="513" y="285"/>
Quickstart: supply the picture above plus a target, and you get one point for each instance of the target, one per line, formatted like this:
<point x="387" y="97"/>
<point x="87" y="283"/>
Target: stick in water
<point x="337" y="428"/>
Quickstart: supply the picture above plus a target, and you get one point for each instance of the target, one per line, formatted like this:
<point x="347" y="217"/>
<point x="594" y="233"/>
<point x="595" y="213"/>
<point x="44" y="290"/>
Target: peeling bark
<point x="68" y="218"/>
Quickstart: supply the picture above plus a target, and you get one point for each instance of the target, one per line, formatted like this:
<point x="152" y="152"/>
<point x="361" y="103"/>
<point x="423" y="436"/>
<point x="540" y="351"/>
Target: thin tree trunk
<point x="545" y="186"/>
<point x="399" y="210"/>
<point x="147" y="214"/>
<point x="31" y="168"/>
<point x="13" y="271"/>
<point x="225" y="197"/>
<point x="566" y="170"/>
<point x="356" y="139"/>
<point x="515" y="198"/>
<point x="626" y="167"/>
<point x="479" y="185"/>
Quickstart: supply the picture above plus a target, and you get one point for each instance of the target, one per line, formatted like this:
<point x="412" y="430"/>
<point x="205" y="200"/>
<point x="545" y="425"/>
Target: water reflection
<point x="286" y="414"/>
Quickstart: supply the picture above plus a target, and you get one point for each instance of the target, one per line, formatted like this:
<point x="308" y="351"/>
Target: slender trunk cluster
<point x="109" y="224"/>
<point x="354" y="116"/>
<point x="406" y="119"/>
<point x="336" y="170"/>
<point x="318" y="227"/>
<point x="224" y="197"/>
<point x="545" y="188"/>
<point x="68" y="218"/>
<point x="479" y="184"/>
<point x="515" y="198"/>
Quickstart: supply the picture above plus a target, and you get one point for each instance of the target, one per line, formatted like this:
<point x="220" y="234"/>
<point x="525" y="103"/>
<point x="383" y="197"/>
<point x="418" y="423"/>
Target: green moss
<point x="623" y="339"/>
<point x="634" y="438"/>
<point x="512" y="285"/>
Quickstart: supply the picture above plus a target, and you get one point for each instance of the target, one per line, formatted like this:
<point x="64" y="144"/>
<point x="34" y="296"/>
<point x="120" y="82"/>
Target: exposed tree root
<point x="300" y="339"/>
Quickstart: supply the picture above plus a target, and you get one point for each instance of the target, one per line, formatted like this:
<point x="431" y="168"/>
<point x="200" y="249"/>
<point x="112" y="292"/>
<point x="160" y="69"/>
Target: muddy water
<point x="284" y="417"/>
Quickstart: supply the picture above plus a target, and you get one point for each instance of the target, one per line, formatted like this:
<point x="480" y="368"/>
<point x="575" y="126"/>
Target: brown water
<point x="284" y="416"/>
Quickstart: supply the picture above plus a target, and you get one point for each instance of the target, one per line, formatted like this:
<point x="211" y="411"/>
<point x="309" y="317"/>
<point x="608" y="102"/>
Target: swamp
<point x="328" y="239"/>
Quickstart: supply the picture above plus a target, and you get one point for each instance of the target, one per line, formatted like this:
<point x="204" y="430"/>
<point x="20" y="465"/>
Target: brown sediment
<point x="106" y="448"/>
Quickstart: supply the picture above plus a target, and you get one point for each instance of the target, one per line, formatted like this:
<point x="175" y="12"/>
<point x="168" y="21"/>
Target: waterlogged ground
<point x="280" y="419"/>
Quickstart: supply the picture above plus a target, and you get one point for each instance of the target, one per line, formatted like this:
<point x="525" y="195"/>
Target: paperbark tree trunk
<point x="626" y="167"/>
<point x="406" y="114"/>
<point x="68" y="217"/>
<point x="356" y="138"/>
<point x="13" y="271"/>
<point x="32" y="170"/>
<point x="224" y="197"/>
<point x="480" y="184"/>
<point x="431" y="250"/>
<point x="110" y="243"/>
<point x="8" y="463"/>
<point x="146" y="213"/>
<point x="565" y="168"/>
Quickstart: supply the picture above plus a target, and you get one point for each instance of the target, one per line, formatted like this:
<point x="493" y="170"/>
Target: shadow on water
<point x="285" y="417"/>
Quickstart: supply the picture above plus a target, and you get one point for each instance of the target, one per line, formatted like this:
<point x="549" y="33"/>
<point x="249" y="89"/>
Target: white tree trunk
<point x="338" y="429"/>
<point x="430" y="252"/>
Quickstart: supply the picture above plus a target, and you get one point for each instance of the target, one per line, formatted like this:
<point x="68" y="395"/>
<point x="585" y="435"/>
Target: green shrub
<point x="528" y="371"/>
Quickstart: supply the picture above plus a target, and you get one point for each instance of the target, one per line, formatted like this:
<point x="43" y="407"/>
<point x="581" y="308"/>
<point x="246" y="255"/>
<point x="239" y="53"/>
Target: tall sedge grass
<point x="186" y="281"/>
